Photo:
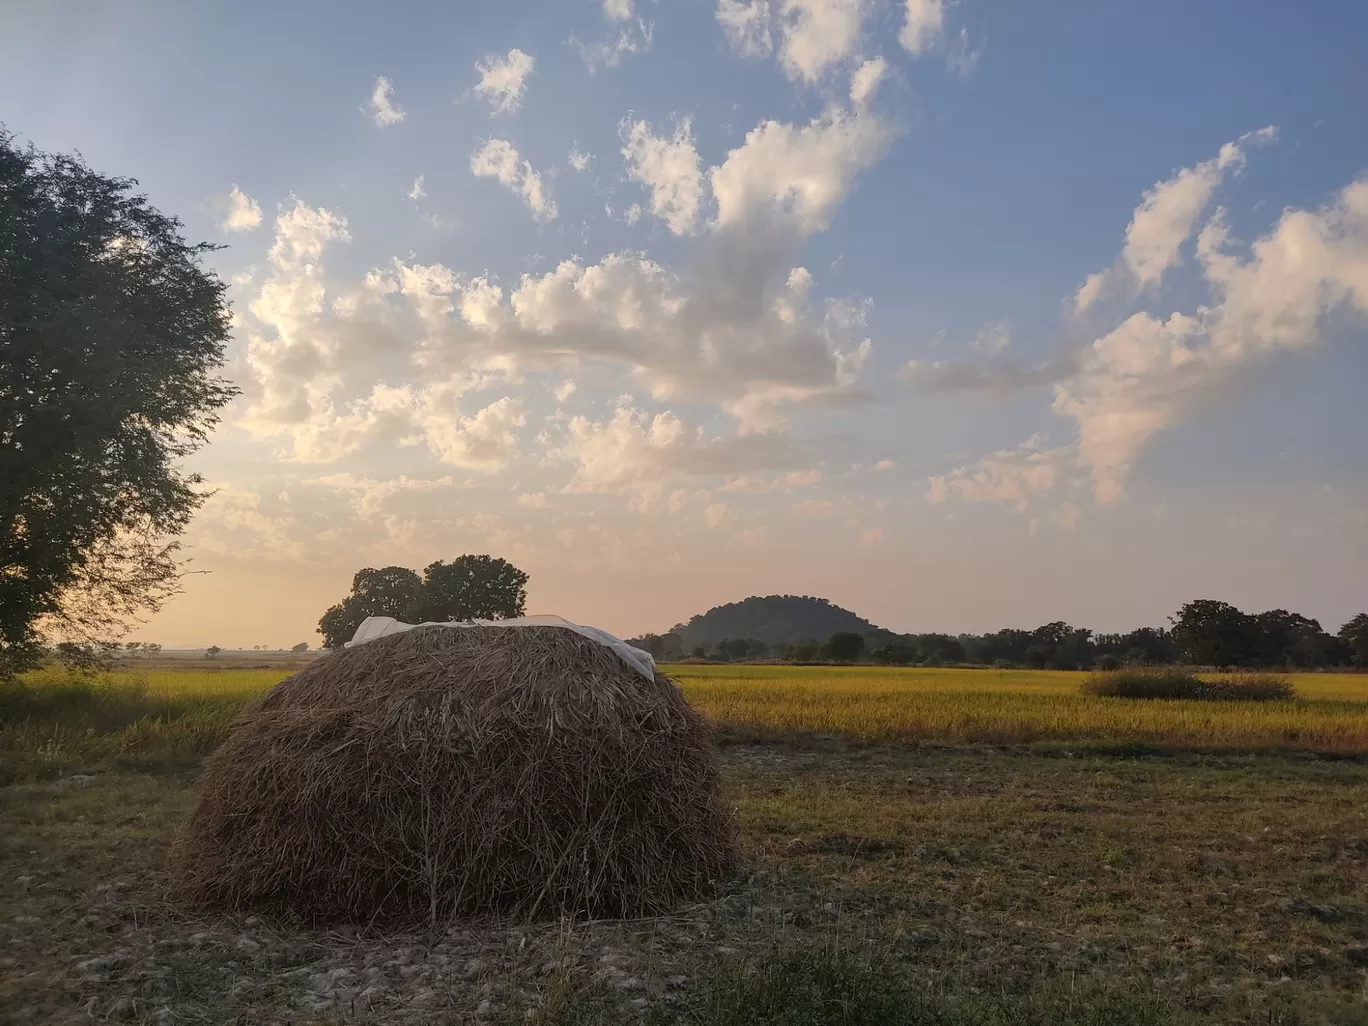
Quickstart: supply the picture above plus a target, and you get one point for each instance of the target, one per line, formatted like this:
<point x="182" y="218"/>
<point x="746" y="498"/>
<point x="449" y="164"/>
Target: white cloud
<point x="963" y="58"/>
<point x="617" y="10"/>
<point x="923" y="23"/>
<point x="797" y="174"/>
<point x="632" y="214"/>
<point x="746" y="24"/>
<point x="817" y="34"/>
<point x="885" y="465"/>
<point x="612" y="52"/>
<point x="499" y="159"/>
<point x="242" y="213"/>
<point x="1010" y="475"/>
<point x="579" y="161"/>
<point x="382" y="108"/>
<point x="533" y="500"/>
<point x="864" y="83"/>
<point x="417" y="192"/>
<point x="503" y="80"/>
<point x="1165" y="219"/>
<point x="368" y="495"/>
<point x="813" y="35"/>
<point x="1150" y="373"/>
<point x="633" y="450"/>
<point x="564" y="390"/>
<point x="484" y="442"/>
<point x="814" y="508"/>
<point x="784" y="483"/>
<point x="718" y="515"/>
<point x="670" y="167"/>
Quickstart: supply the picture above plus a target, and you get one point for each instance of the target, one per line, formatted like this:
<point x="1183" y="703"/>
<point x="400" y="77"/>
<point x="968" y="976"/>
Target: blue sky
<point x="811" y="238"/>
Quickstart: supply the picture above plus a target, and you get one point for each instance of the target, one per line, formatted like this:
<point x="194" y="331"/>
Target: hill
<point x="773" y="619"/>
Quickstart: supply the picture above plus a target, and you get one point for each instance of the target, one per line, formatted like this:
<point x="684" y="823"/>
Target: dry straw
<point x="518" y="772"/>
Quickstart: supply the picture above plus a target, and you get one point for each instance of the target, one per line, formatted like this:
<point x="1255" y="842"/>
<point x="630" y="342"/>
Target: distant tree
<point x="845" y="646"/>
<point x="111" y="336"/>
<point x="212" y="651"/>
<point x="803" y="651"/>
<point x="1213" y="633"/>
<point x="133" y="648"/>
<point x="303" y="646"/>
<point x="653" y="643"/>
<point x="1036" y="656"/>
<point x="1354" y="635"/>
<point x="896" y="654"/>
<point x="390" y="591"/>
<point x="472" y="588"/>
<point x="150" y="649"/>
<point x="1108" y="663"/>
<point x="1290" y="639"/>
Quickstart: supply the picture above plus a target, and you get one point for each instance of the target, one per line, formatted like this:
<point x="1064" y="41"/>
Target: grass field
<point x="1035" y="857"/>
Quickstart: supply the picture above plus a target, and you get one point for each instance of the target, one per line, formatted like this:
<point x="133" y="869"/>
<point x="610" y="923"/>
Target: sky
<point x="964" y="315"/>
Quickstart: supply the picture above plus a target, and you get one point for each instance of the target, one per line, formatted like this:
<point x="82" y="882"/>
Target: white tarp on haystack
<point x="373" y="627"/>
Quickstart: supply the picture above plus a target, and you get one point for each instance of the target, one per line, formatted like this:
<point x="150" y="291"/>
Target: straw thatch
<point x="521" y="772"/>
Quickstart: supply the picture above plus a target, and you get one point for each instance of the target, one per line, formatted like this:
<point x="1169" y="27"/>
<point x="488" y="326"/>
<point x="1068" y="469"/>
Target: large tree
<point x="111" y="336"/>
<point x="1214" y="633"/>
<point x="467" y="588"/>
<point x="1354" y="635"/>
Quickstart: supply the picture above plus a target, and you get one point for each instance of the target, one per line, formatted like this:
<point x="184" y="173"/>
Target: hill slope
<point x="773" y="619"/>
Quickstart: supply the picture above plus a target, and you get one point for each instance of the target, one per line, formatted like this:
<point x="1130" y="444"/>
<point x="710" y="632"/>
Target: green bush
<point x="1173" y="683"/>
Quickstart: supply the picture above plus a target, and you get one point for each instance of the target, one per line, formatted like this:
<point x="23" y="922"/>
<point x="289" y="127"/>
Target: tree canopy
<point x="467" y="588"/>
<point x="111" y="334"/>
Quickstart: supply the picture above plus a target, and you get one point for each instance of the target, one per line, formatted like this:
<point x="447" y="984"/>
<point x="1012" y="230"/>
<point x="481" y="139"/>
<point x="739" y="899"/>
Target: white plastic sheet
<point x="380" y="626"/>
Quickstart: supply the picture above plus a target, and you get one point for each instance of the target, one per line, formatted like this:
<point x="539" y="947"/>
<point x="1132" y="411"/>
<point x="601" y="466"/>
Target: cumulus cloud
<point x="241" y="212"/>
<point x="923" y="23"/>
<point x="1165" y="219"/>
<point x="499" y="159"/>
<point x="813" y="35"/>
<point x="369" y="495"/>
<point x="504" y="79"/>
<point x="417" y="192"/>
<point x="1010" y="475"/>
<point x="632" y="449"/>
<point x="718" y="515"/>
<point x="382" y="108"/>
<point x="864" y="83"/>
<point x="579" y="161"/>
<point x="798" y="174"/>
<point x="669" y="166"/>
<point x="617" y="10"/>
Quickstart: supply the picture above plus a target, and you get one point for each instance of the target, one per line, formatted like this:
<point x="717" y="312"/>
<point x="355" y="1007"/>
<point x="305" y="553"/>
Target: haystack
<point x="517" y="772"/>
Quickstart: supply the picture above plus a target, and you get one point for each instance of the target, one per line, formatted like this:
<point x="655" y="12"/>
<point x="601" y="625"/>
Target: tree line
<point x="1204" y="632"/>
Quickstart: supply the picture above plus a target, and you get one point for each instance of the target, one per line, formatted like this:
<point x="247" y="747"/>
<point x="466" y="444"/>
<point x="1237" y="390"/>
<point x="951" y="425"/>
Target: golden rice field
<point x="934" y="705"/>
<point x="1017" y="707"/>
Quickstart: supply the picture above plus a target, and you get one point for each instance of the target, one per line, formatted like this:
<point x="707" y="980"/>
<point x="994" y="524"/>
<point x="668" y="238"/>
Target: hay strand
<point x="519" y="773"/>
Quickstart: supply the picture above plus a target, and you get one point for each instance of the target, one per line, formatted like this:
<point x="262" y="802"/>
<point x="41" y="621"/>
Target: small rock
<point x="100" y="963"/>
<point x="247" y="945"/>
<point x="676" y="981"/>
<point x="628" y="983"/>
<point x="640" y="1004"/>
<point x="321" y="983"/>
<point x="164" y="1016"/>
<point x="252" y="921"/>
<point x="198" y="938"/>
<point x="423" y="995"/>
<point x="486" y="1007"/>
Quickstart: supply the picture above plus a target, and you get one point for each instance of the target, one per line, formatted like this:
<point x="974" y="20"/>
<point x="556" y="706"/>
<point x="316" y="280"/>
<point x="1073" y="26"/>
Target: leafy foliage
<point x="467" y="588"/>
<point x="111" y="334"/>
<point x="777" y="620"/>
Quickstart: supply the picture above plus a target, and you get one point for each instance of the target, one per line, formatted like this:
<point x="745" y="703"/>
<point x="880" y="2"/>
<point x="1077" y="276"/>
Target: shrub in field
<point x="1108" y="663"/>
<point x="1173" y="683"/>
